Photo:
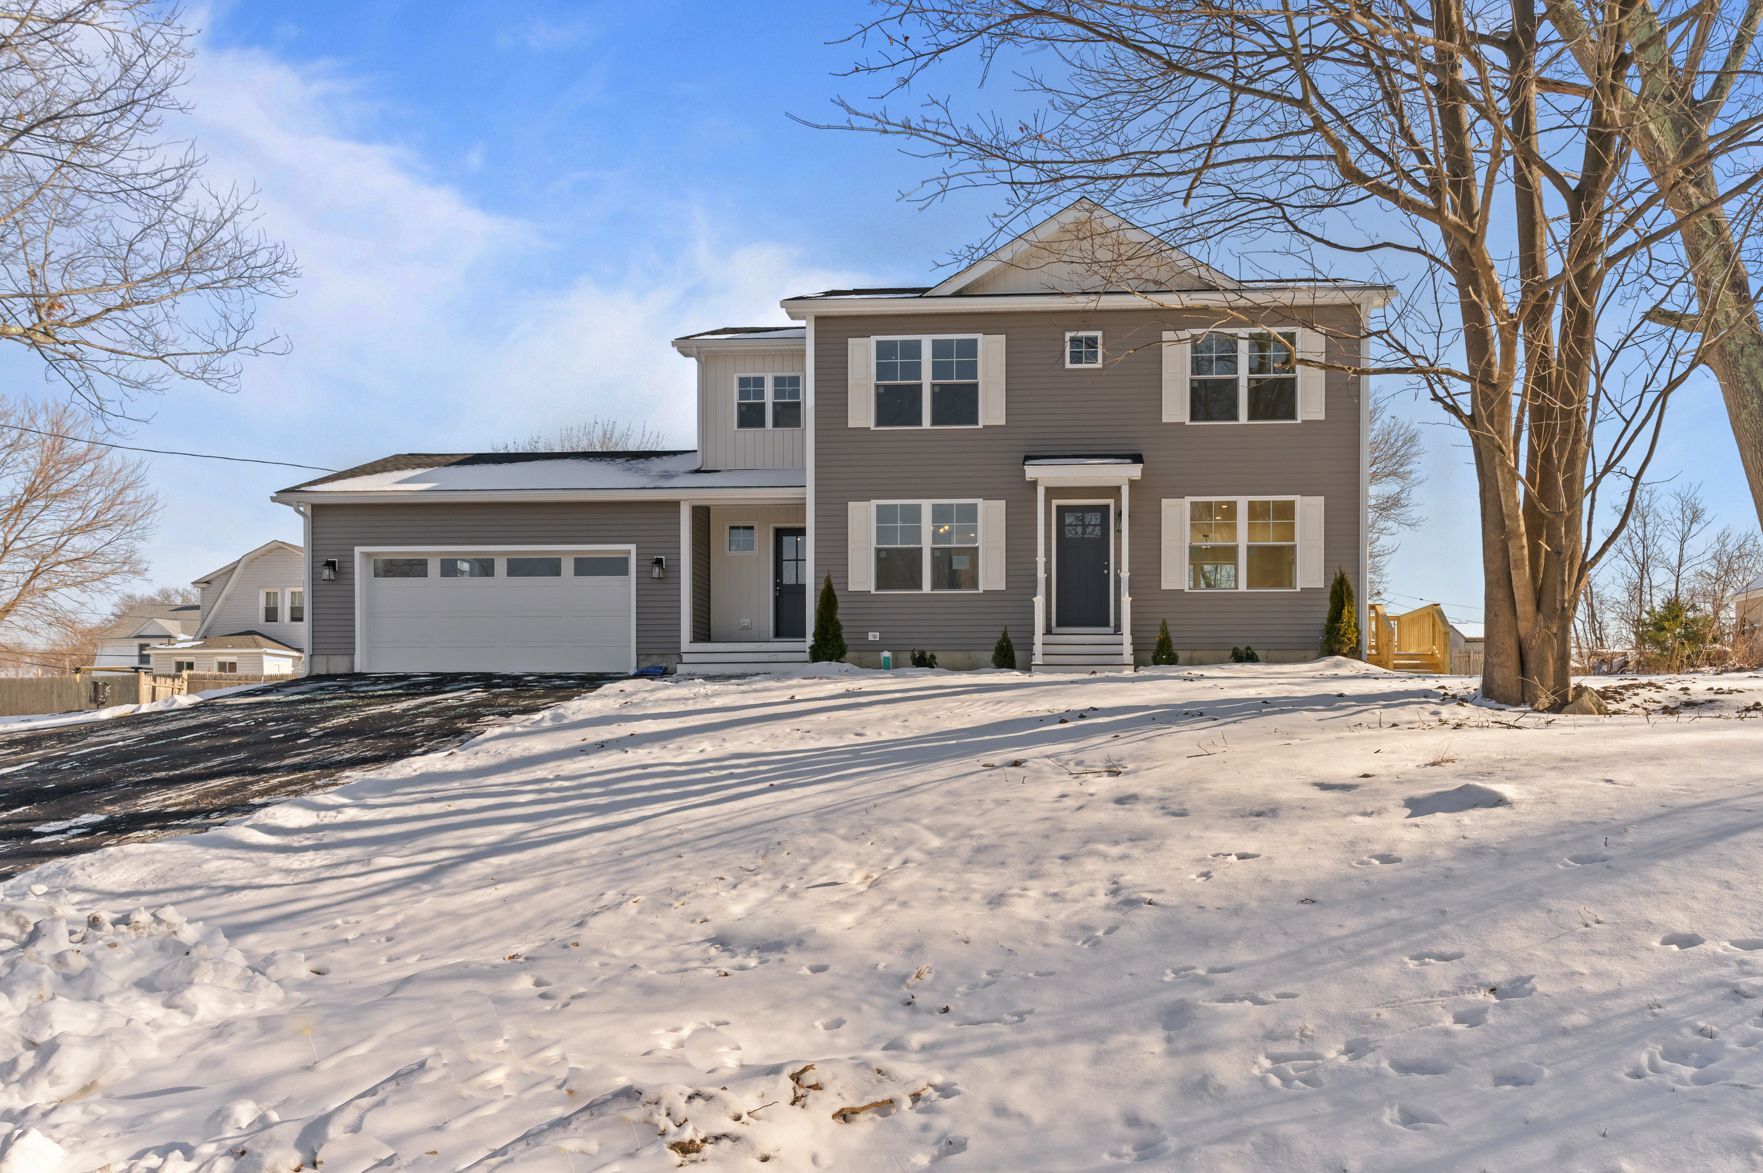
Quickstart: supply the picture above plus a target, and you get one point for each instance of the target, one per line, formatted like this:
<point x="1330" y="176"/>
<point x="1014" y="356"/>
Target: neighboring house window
<point x="142" y="657"/>
<point x="535" y="568"/>
<point x="183" y="665"/>
<point x="943" y="556"/>
<point x="272" y="606"/>
<point x="1083" y="348"/>
<point x="1250" y="376"/>
<point x="468" y="568"/>
<point x="741" y="539"/>
<point x="904" y="398"/>
<point x="400" y="567"/>
<point x="226" y="665"/>
<point x="296" y="605"/>
<point x="1223" y="556"/>
<point x="786" y="401"/>
<point x="749" y="401"/>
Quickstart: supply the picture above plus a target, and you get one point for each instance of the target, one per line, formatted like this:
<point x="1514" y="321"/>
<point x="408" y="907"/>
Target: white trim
<point x="245" y="557"/>
<point x="771" y="529"/>
<point x="1111" y="473"/>
<point x="925" y="503"/>
<point x="363" y="554"/>
<point x="732" y="494"/>
<point x="925" y="381"/>
<point x="1040" y="597"/>
<point x="263" y="594"/>
<point x="768" y="401"/>
<point x="288" y="604"/>
<point x="808" y="418"/>
<point x="1249" y="297"/>
<point x="1108" y="574"/>
<point x="781" y="339"/>
<point x="686" y="570"/>
<point x="1083" y="366"/>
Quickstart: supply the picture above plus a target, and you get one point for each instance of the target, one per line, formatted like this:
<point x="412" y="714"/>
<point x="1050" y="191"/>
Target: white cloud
<point x="418" y="324"/>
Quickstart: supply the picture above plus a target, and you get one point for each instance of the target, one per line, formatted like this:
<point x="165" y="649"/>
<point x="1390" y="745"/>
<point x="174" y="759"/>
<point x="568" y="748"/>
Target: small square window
<point x="741" y="539"/>
<point x="1083" y="349"/>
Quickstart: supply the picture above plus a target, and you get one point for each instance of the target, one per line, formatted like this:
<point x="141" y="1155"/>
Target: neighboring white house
<point x="252" y="618"/>
<point x="125" y="644"/>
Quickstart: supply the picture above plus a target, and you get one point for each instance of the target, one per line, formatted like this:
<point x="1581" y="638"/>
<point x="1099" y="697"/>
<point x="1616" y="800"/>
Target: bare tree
<point x="1731" y="561"/>
<point x="597" y="435"/>
<point x="73" y="515"/>
<point x="1691" y="91"/>
<point x="1686" y="520"/>
<point x="184" y="596"/>
<point x="1395" y="452"/>
<point x="1533" y="254"/>
<point x="119" y="266"/>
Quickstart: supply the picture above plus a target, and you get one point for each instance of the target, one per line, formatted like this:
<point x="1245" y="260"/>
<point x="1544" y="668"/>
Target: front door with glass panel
<point x="1082" y="566"/>
<point x="789" y="618"/>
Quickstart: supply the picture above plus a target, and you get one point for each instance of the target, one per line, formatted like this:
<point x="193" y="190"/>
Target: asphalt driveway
<point x="76" y="788"/>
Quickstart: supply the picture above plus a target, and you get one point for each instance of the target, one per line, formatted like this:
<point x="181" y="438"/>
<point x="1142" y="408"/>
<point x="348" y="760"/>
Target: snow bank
<point x="85" y="1001"/>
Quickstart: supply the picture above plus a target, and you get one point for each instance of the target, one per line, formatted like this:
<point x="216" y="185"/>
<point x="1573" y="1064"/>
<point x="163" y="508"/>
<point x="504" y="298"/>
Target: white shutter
<point x="860" y="377"/>
<point x="1310" y="568"/>
<point x="1175" y="377"/>
<point x="860" y="547"/>
<point x="991" y="380"/>
<point x="1312" y="380"/>
<point x="1175" y="544"/>
<point x="991" y="545"/>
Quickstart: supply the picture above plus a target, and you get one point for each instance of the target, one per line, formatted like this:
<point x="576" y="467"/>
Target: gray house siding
<point x="1051" y="410"/>
<point x="339" y="530"/>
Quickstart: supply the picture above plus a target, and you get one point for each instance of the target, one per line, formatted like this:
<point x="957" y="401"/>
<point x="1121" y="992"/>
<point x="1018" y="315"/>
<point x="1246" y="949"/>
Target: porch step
<point x="739" y="661"/>
<point x="1082" y="652"/>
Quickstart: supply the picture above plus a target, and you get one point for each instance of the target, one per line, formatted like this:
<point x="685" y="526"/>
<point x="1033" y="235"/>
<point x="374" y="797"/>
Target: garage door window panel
<point x="535" y="568"/>
<point x="602" y="566"/>
<point x="400" y="567"/>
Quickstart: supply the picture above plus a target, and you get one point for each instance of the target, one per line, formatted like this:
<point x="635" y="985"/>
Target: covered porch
<point x="745" y="597"/>
<point x="1083" y="560"/>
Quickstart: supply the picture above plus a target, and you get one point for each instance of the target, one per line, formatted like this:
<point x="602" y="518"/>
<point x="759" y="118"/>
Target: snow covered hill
<point x="1247" y="917"/>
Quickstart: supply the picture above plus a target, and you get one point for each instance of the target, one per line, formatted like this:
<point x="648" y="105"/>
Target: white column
<point x="1040" y="566"/>
<point x="685" y="575"/>
<point x="1126" y="567"/>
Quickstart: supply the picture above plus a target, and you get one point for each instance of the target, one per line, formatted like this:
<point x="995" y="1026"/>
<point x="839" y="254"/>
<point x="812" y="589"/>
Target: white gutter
<point x="750" y="493"/>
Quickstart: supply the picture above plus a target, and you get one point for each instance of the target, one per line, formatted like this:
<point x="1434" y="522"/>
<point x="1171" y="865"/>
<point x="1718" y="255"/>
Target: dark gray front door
<point x="789" y="618"/>
<point x="1081" y="573"/>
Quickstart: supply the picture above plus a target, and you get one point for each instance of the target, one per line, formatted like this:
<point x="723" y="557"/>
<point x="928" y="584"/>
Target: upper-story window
<point x="296" y="605"/>
<point x="1243" y="376"/>
<point x="272" y="606"/>
<point x="1083" y="348"/>
<point x="948" y="398"/>
<point x="768" y="401"/>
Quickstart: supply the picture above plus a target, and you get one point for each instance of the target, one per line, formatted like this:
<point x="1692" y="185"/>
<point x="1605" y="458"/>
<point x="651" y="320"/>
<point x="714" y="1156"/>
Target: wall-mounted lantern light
<point x="328" y="570"/>
<point x="658" y="566"/>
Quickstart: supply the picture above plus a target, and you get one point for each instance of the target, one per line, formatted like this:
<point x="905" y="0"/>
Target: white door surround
<point x="1078" y="473"/>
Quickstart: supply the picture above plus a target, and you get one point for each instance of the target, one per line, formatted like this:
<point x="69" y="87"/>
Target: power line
<point x="166" y="451"/>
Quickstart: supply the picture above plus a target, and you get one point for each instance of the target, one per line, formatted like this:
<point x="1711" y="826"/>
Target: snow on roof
<point x="491" y="472"/>
<point x="228" y="643"/>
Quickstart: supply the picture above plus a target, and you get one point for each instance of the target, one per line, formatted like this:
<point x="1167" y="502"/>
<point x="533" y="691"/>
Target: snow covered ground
<point x="56" y="720"/>
<point x="1243" y="917"/>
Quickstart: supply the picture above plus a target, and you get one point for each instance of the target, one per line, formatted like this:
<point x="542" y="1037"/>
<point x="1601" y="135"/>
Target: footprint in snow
<point x="1434" y="957"/>
<point x="1251" y="999"/>
<point x="1748" y="944"/>
<point x="1379" y="859"/>
<point x="1681" y="941"/>
<point x="1585" y="859"/>
<point x="1229" y="856"/>
<point x="1519" y="1075"/>
<point x="1414" y="1117"/>
<point x="1421" y="1066"/>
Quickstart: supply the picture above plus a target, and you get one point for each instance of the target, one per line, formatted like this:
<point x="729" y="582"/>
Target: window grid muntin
<point x="946" y="536"/>
<point x="1249" y="528"/>
<point x="943" y="376"/>
<point x="1083" y="348"/>
<point x="1253" y="368"/>
<point x="742" y="539"/>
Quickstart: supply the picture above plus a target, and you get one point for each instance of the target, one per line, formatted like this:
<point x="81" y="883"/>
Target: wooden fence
<point x="158" y="687"/>
<point x="22" y="696"/>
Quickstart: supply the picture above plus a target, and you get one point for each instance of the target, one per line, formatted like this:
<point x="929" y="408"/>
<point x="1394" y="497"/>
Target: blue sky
<point x="502" y="220"/>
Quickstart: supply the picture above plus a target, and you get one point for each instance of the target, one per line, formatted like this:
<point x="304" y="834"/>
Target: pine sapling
<point x="1004" y="652"/>
<point x="1340" y="635"/>
<point x="1164" y="652"/>
<point x="829" y="634"/>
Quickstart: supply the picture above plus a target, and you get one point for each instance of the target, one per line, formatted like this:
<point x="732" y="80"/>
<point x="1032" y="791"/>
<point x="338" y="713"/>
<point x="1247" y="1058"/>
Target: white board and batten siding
<point x="741" y="584"/>
<point x="725" y="446"/>
<point x="1174" y="532"/>
<point x="1312" y="376"/>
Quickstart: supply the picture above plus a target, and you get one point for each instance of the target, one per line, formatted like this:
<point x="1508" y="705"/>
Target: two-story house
<point x="251" y="618"/>
<point x="1080" y="436"/>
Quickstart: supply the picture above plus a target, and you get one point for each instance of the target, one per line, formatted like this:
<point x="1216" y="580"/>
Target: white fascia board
<point x="693" y="347"/>
<point x="751" y="494"/>
<point x="1113" y="473"/>
<point x="1368" y="297"/>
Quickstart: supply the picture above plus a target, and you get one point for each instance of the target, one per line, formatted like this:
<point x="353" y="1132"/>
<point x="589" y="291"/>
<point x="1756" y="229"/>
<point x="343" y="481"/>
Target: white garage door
<point x="498" y="611"/>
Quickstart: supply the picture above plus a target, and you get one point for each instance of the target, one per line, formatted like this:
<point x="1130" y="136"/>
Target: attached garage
<point x="512" y="609"/>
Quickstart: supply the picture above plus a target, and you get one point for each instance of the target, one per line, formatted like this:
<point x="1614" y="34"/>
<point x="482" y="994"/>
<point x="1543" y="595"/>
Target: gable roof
<point x="246" y="557"/>
<point x="1085" y="242"/>
<point x="238" y="641"/>
<point x="166" y="618"/>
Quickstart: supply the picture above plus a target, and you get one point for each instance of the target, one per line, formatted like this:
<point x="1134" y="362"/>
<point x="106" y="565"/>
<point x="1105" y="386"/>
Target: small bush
<point x="1004" y="652"/>
<point x="1340" y="634"/>
<point x="1244" y="655"/>
<point x="1164" y="652"/>
<point x="923" y="659"/>
<point x="829" y="634"/>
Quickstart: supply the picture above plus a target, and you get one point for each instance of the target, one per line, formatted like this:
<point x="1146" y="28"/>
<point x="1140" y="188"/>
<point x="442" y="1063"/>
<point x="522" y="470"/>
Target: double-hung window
<point x="768" y="401"/>
<point x="906" y="398"/>
<point x="942" y="555"/>
<point x="272" y="606"/>
<point x="1243" y="544"/>
<point x="1250" y="376"/>
<point x="296" y="604"/>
